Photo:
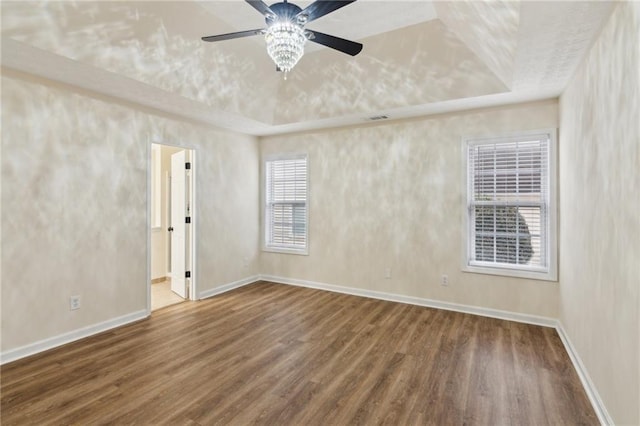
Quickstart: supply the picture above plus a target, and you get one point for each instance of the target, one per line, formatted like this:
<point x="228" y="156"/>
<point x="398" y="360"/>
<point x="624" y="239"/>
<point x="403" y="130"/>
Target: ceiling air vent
<point x="378" y="117"/>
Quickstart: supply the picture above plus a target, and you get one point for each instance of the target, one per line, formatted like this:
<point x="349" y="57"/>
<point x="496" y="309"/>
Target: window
<point x="511" y="206"/>
<point x="286" y="214"/>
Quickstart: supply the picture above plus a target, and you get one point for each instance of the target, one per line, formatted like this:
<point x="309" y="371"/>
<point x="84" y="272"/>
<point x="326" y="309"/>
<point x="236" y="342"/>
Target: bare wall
<point x="391" y="196"/>
<point x="74" y="207"/>
<point x="599" y="221"/>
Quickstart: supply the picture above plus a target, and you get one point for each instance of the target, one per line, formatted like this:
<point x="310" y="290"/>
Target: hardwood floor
<point x="277" y="355"/>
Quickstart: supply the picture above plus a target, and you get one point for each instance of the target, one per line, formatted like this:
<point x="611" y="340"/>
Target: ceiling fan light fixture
<point x="285" y="44"/>
<point x="285" y="34"/>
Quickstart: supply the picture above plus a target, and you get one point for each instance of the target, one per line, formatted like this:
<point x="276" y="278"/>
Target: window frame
<point x="550" y="273"/>
<point x="266" y="226"/>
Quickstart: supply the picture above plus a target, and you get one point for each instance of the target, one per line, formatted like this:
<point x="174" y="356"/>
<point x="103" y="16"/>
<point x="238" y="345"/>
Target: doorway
<point x="172" y="226"/>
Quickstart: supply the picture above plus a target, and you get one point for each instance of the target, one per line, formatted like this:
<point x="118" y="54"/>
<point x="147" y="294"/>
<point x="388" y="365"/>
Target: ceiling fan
<point x="286" y="34"/>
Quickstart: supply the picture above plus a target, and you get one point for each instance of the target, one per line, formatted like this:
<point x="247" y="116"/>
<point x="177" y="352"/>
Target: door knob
<point x="171" y="229"/>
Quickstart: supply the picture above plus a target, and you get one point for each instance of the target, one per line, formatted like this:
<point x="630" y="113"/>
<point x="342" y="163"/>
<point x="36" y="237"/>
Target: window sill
<point x="300" y="252"/>
<point x="514" y="273"/>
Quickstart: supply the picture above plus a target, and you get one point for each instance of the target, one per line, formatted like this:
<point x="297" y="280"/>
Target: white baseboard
<point x="228" y="287"/>
<point x="587" y="384"/>
<point x="71" y="336"/>
<point x="411" y="300"/>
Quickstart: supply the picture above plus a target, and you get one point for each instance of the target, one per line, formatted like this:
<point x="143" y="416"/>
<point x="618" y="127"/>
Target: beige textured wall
<point x="74" y="207"/>
<point x="600" y="225"/>
<point x="391" y="195"/>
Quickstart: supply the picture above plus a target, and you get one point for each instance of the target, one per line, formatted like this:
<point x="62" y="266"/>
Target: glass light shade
<point x="285" y="44"/>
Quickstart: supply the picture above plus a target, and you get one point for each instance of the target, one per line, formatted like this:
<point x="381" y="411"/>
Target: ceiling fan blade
<point x="346" y="46"/>
<point x="230" y="36"/>
<point x="261" y="7"/>
<point x="319" y="8"/>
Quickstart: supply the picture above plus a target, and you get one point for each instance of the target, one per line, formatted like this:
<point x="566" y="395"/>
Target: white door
<point x="178" y="215"/>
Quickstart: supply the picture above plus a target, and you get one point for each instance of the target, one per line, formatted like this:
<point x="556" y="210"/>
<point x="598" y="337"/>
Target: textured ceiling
<point x="419" y="57"/>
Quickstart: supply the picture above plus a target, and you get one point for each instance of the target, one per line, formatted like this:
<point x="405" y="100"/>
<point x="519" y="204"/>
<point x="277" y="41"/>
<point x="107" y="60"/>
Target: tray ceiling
<point x="419" y="57"/>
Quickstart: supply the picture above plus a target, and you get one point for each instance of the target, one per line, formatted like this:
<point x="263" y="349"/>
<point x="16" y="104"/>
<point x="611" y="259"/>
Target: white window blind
<point x="508" y="200"/>
<point x="286" y="203"/>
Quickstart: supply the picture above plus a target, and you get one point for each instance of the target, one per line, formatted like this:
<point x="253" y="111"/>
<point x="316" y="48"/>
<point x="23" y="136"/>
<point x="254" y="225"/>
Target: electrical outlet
<point x="444" y="280"/>
<point x="74" y="303"/>
<point x="387" y="273"/>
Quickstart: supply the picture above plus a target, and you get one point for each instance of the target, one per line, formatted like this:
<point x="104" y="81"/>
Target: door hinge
<point x="188" y="219"/>
<point x="187" y="166"/>
<point x="187" y="274"/>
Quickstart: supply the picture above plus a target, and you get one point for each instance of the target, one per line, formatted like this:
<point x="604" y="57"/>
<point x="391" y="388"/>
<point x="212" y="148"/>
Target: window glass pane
<point x="509" y="229"/>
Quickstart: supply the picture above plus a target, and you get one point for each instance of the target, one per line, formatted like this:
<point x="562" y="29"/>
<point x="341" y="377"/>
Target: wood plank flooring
<point x="280" y="355"/>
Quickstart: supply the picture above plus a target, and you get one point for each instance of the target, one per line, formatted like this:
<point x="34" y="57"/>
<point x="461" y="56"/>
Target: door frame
<point x="193" y="239"/>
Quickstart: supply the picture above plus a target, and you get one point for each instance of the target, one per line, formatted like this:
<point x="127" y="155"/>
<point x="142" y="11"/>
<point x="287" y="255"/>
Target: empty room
<point x="320" y="212"/>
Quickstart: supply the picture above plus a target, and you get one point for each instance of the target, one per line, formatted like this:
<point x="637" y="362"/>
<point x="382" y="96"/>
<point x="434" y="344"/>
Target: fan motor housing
<point x="283" y="10"/>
